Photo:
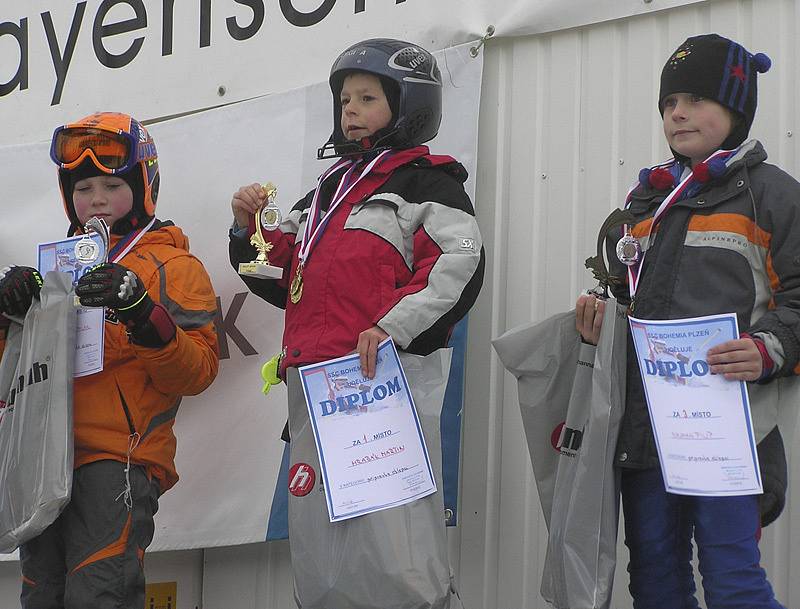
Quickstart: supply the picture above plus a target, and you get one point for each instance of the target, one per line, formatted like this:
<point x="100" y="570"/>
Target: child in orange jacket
<point x="160" y="344"/>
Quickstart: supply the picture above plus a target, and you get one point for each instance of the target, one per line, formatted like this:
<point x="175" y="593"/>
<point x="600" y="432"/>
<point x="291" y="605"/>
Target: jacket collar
<point x="750" y="153"/>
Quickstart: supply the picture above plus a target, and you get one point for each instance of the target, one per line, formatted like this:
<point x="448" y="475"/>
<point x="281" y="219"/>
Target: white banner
<point x="158" y="58"/>
<point x="229" y="447"/>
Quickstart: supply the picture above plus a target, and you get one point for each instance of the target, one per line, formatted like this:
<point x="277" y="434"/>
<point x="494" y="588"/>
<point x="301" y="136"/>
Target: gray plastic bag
<point x="391" y="559"/>
<point x="36" y="455"/>
<point x="572" y="401"/>
<point x="542" y="356"/>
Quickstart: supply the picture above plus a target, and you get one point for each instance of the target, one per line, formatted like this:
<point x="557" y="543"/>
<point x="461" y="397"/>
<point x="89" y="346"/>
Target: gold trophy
<point x="269" y="217"/>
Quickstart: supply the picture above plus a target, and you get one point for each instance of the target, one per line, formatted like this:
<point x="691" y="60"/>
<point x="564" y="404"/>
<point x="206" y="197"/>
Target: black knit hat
<point x="720" y="69"/>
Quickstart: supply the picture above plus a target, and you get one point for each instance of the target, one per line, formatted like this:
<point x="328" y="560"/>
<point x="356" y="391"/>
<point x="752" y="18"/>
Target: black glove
<point x="19" y="285"/>
<point x="120" y="289"/>
<point x="112" y="285"/>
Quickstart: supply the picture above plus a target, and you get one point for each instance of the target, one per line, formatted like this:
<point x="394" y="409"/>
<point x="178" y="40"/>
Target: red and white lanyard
<point x="315" y="222"/>
<point x="127" y="243"/>
<point x="634" y="271"/>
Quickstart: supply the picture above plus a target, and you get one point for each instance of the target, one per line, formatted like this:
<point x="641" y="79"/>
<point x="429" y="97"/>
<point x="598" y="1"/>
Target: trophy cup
<point x="87" y="251"/>
<point x="268" y="216"/>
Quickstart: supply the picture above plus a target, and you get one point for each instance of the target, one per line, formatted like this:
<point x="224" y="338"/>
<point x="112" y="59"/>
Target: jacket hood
<point x="750" y="153"/>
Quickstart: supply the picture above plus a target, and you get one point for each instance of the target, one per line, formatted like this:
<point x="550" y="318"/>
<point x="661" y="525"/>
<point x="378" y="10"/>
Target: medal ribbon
<point x="126" y="244"/>
<point x="634" y="271"/>
<point x="315" y="223"/>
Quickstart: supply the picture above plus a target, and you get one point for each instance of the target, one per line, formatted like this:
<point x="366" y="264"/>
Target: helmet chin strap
<point x="380" y="140"/>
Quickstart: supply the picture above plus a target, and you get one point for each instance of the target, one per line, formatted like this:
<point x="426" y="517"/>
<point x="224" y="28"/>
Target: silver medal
<point x="270" y="217"/>
<point x="629" y="250"/>
<point x="87" y="251"/>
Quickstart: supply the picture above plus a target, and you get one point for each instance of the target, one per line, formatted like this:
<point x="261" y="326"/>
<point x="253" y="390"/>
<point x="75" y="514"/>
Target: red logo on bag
<point x="566" y="441"/>
<point x="555" y="437"/>
<point x="301" y="479"/>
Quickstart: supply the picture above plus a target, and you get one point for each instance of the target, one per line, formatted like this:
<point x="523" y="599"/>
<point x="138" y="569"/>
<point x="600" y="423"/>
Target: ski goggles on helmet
<point x="111" y="151"/>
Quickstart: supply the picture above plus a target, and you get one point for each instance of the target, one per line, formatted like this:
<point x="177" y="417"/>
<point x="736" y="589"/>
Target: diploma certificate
<point x="372" y="451"/>
<point x="89" y="341"/>
<point x="701" y="421"/>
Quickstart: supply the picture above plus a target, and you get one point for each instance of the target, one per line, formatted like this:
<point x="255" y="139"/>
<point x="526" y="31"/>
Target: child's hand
<point x="246" y="202"/>
<point x="19" y="285"/>
<point x="589" y="311"/>
<point x="110" y="285"/>
<point x="736" y="360"/>
<point x="367" y="349"/>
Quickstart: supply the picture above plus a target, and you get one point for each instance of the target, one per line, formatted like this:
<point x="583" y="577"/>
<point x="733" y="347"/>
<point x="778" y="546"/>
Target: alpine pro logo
<point x="301" y="479"/>
<point x="37" y="373"/>
<point x="566" y="441"/>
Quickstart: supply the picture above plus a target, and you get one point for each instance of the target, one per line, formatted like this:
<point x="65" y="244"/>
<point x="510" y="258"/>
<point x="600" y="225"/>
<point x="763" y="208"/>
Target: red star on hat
<point x="738" y="72"/>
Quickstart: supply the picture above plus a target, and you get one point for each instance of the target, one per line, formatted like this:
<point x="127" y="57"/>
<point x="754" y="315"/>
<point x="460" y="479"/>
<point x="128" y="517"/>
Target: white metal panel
<point x="567" y="121"/>
<point x="10" y="582"/>
<point x="184" y="568"/>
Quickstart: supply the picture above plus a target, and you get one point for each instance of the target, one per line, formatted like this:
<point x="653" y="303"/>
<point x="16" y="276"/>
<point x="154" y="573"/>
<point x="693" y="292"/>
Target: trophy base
<point x="260" y="270"/>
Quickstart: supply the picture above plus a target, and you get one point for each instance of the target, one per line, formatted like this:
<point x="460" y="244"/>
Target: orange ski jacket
<point x="134" y="400"/>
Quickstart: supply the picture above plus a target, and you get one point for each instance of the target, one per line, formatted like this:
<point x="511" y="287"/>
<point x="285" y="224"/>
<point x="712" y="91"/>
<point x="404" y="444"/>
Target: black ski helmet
<point x="414" y="73"/>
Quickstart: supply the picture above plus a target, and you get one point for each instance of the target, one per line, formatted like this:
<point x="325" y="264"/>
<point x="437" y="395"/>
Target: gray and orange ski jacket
<point x="732" y="247"/>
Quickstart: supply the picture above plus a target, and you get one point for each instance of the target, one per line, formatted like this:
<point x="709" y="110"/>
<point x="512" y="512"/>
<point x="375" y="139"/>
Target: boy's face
<point x="365" y="108"/>
<point x="695" y="126"/>
<point x="107" y="197"/>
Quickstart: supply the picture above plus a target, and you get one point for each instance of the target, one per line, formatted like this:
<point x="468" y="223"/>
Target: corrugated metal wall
<point x="567" y="120"/>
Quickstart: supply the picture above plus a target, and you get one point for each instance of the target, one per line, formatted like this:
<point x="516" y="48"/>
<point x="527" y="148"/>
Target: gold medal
<point x="296" y="286"/>
<point x="270" y="215"/>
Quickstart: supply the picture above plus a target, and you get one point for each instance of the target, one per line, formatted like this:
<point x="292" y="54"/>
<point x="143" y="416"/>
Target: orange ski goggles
<point x="112" y="151"/>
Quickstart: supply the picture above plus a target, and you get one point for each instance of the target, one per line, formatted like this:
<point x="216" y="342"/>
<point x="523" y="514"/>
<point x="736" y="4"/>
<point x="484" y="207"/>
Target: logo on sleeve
<point x="466" y="244"/>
